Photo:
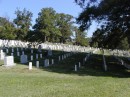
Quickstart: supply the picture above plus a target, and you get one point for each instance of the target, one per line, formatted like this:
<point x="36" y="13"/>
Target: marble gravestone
<point x="2" y="55"/>
<point x="9" y="61"/>
<point x="23" y="59"/>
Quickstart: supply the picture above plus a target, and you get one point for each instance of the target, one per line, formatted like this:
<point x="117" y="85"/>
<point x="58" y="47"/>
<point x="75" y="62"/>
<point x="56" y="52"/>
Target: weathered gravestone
<point x="9" y="61"/>
<point x="23" y="59"/>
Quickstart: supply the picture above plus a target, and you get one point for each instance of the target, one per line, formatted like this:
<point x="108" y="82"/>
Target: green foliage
<point x="53" y="27"/>
<point x="46" y="24"/>
<point x="114" y="15"/>
<point x="23" y="23"/>
<point x="65" y="26"/>
<point x="124" y="45"/>
<point x="80" y="37"/>
<point x="6" y="29"/>
<point x="97" y="38"/>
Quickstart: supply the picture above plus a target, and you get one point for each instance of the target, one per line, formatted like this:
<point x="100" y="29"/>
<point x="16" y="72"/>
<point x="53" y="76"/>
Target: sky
<point x="8" y="8"/>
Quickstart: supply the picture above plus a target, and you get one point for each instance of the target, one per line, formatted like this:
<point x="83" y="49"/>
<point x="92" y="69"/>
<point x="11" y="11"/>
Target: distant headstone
<point x="31" y="57"/>
<point x="40" y="55"/>
<point x="31" y="50"/>
<point x="22" y="52"/>
<point x="7" y="51"/>
<point x="39" y="48"/>
<point x="9" y="61"/>
<point x="18" y="53"/>
<point x="75" y="68"/>
<point x="36" y="56"/>
<point x="23" y="59"/>
<point x="46" y="62"/>
<point x="17" y="49"/>
<point x="79" y="64"/>
<point x="12" y="54"/>
<point x="52" y="61"/>
<point x="12" y="50"/>
<point x="2" y="55"/>
<point x="37" y="64"/>
<point x="49" y="52"/>
<point x="59" y="58"/>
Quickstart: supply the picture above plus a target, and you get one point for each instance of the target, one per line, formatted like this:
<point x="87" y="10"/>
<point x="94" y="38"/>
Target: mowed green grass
<point x="18" y="81"/>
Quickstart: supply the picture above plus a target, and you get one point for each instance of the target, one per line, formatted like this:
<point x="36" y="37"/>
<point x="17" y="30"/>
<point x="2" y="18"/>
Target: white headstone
<point x="18" y="54"/>
<point x="37" y="64"/>
<point x="40" y="55"/>
<point x="46" y="62"/>
<point x="17" y="49"/>
<point x="31" y="57"/>
<point x="2" y="55"/>
<point x="59" y="58"/>
<point x="7" y="51"/>
<point x="75" y="69"/>
<point x="22" y="52"/>
<point x="12" y="50"/>
<point x="62" y="57"/>
<point x="9" y="61"/>
<point x="31" y="51"/>
<point x="12" y="54"/>
<point x="36" y="56"/>
<point x="23" y="59"/>
<point x="49" y="52"/>
<point x="30" y="65"/>
<point x="79" y="64"/>
<point x="52" y="61"/>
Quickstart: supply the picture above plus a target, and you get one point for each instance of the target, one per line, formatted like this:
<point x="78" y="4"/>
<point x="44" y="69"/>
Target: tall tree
<point x="52" y="26"/>
<point x="46" y="24"/>
<point x="114" y="12"/>
<point x="65" y="26"/>
<point x="23" y="23"/>
<point x="6" y="29"/>
<point x="80" y="38"/>
<point x="124" y="45"/>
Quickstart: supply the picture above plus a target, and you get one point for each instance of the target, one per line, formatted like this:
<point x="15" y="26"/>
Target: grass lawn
<point x="18" y="81"/>
<point x="61" y="80"/>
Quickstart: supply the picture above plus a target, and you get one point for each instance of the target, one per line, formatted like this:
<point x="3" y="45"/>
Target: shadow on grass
<point x="93" y="67"/>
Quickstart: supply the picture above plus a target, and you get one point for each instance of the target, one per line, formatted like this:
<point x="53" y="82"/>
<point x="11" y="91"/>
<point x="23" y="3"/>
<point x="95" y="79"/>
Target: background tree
<point x="115" y="13"/>
<point x="7" y="29"/>
<point x="52" y="26"/>
<point x="80" y="38"/>
<point x="23" y="23"/>
<point x="124" y="45"/>
<point x="45" y="24"/>
<point x="65" y="26"/>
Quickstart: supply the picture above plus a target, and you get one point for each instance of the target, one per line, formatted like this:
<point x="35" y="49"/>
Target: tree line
<point x="114" y="18"/>
<point x="50" y="26"/>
